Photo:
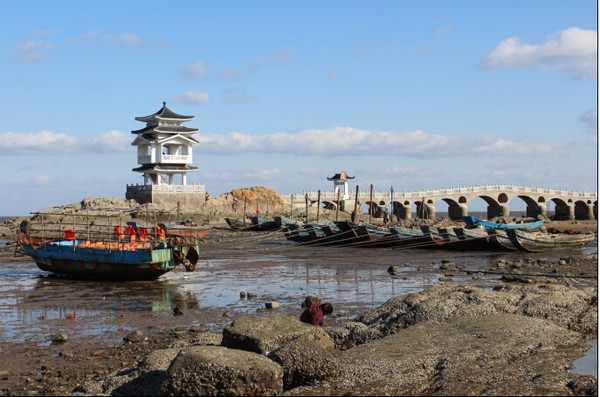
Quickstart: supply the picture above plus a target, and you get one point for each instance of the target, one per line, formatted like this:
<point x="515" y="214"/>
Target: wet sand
<point x="96" y="316"/>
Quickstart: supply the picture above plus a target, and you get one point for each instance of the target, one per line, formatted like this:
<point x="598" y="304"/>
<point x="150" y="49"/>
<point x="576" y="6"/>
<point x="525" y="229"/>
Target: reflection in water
<point x="353" y="280"/>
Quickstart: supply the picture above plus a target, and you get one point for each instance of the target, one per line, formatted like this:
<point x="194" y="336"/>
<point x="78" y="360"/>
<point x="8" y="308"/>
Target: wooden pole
<point x="306" y="200"/>
<point x="244" y="214"/>
<point x="318" y="204"/>
<point x="371" y="204"/>
<point x="291" y="207"/>
<point x="337" y="207"/>
<point x="355" y="205"/>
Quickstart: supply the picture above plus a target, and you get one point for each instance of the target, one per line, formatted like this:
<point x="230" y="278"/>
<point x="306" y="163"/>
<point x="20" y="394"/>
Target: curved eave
<point x="340" y="179"/>
<point x="165" y="168"/>
<point x="165" y="130"/>
<point x="165" y="114"/>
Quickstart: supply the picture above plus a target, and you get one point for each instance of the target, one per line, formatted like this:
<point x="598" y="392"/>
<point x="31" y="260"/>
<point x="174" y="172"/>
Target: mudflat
<point x="114" y="327"/>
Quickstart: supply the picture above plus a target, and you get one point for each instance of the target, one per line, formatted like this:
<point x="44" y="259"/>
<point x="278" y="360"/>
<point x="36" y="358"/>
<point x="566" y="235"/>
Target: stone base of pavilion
<point x="167" y="195"/>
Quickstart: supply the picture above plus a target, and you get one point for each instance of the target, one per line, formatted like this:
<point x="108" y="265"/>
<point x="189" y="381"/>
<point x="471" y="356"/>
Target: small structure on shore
<point x="341" y="181"/>
<point x="164" y="150"/>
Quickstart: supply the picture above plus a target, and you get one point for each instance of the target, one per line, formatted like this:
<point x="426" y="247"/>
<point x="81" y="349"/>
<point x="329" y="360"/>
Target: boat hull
<point x="538" y="242"/>
<point x="472" y="221"/>
<point x="103" y="264"/>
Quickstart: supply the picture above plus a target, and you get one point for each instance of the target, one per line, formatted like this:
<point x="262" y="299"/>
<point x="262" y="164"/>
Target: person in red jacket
<point x="315" y="314"/>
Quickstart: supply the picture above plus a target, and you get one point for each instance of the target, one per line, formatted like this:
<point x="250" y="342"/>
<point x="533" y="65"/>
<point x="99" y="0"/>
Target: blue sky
<point x="414" y="95"/>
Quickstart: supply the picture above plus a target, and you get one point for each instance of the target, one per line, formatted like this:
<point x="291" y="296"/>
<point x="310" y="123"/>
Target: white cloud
<point x="110" y="142"/>
<point x="283" y="55"/>
<point x="247" y="174"/>
<point x="32" y="50"/>
<point x="338" y="141"/>
<point x="133" y="39"/>
<point x="193" y="71"/>
<point x="51" y="143"/>
<point x="347" y="141"/>
<point x="572" y="50"/>
<point x="192" y="97"/>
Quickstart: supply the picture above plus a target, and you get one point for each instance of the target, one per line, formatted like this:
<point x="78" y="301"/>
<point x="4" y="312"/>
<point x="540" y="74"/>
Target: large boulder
<point x="217" y="370"/>
<point x="572" y="308"/>
<point x="467" y="355"/>
<point x="304" y="361"/>
<point x="266" y="334"/>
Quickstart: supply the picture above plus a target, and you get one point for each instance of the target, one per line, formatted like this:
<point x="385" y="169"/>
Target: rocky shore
<point x="447" y="340"/>
<point x="518" y="338"/>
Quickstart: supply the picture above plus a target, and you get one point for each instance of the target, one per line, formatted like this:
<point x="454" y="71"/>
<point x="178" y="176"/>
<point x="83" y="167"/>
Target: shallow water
<point x="34" y="304"/>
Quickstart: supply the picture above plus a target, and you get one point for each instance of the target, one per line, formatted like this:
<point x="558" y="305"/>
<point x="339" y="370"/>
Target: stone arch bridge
<point x="569" y="205"/>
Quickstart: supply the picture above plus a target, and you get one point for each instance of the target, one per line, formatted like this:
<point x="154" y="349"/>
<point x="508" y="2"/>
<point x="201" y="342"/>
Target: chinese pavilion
<point x="164" y="151"/>
<point x="341" y="181"/>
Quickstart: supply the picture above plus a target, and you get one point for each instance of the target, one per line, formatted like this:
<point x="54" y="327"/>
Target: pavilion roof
<point x="166" y="129"/>
<point x="341" y="176"/>
<point x="165" y="168"/>
<point x="165" y="114"/>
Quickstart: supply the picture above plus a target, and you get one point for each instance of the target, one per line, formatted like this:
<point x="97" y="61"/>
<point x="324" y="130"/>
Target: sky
<point x="403" y="94"/>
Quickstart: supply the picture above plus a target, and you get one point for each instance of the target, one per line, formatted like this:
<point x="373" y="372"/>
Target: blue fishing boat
<point x="472" y="221"/>
<point x="108" y="252"/>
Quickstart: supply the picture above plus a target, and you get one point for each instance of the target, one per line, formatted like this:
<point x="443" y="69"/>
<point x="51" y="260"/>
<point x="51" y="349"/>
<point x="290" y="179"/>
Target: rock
<point x="351" y="334"/>
<point x="468" y="362"/>
<point x="177" y="311"/>
<point x="134" y="337"/>
<point x="58" y="338"/>
<point x="562" y="262"/>
<point x="310" y="300"/>
<point x="250" y="295"/>
<point x="217" y="370"/>
<point x="304" y="361"/>
<point x="159" y="360"/>
<point x="242" y="294"/>
<point x="392" y="269"/>
<point x="266" y="334"/>
<point x="568" y="307"/>
<point x="445" y="278"/>
<point x="447" y="265"/>
<point x="272" y="305"/>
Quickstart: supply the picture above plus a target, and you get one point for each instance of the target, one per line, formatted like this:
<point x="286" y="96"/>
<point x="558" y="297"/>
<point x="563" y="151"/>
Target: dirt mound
<point x="258" y="195"/>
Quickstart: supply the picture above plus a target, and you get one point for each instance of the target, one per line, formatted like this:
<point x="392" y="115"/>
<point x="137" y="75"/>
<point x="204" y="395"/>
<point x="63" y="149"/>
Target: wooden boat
<point x="411" y="238"/>
<point x="469" y="239"/>
<point x="283" y="221"/>
<point x="538" y="241"/>
<point x="499" y="240"/>
<point x="237" y="223"/>
<point x="260" y="223"/>
<point x="108" y="252"/>
<point x="437" y="241"/>
<point x="472" y="221"/>
<point x="375" y="236"/>
<point x="185" y="230"/>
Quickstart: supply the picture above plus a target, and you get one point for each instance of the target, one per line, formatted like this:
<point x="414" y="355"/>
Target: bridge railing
<point x="364" y="196"/>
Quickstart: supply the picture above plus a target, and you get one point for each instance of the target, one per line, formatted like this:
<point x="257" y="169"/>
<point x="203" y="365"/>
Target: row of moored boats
<point x="486" y="237"/>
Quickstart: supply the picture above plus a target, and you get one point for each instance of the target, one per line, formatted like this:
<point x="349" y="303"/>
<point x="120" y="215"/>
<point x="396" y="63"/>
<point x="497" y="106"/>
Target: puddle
<point x="588" y="364"/>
